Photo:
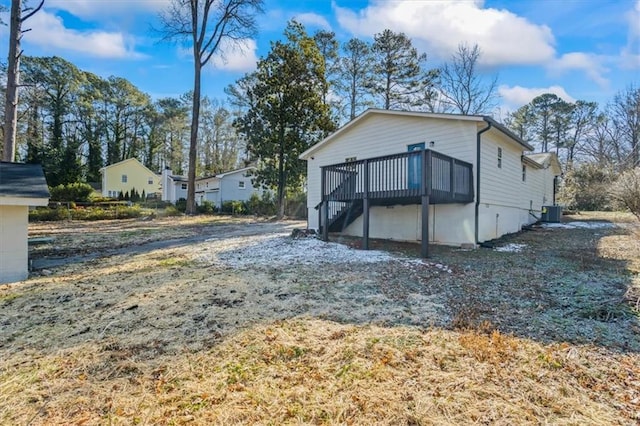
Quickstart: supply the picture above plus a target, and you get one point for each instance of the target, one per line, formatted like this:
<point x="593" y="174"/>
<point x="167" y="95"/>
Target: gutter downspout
<point x="478" y="176"/>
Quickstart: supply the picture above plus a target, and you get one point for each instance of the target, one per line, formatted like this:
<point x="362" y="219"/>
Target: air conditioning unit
<point x="551" y="214"/>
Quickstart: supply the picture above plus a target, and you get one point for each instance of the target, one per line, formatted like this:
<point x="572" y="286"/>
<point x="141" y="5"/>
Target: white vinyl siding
<point x="499" y="186"/>
<point x="379" y="135"/>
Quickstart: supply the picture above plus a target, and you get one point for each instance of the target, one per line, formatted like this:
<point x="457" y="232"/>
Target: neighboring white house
<point x="21" y="186"/>
<point x="513" y="186"/>
<point x="234" y="185"/>
<point x="174" y="187"/>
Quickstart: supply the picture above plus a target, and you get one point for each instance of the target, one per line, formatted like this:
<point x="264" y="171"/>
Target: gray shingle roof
<point x="22" y="181"/>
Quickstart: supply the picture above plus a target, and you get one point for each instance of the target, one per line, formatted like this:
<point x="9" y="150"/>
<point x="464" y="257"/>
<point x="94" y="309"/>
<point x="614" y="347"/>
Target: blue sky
<point x="578" y="49"/>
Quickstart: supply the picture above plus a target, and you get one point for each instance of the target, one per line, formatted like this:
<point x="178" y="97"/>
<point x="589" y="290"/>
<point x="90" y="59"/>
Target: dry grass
<point x="318" y="372"/>
<point x="542" y="337"/>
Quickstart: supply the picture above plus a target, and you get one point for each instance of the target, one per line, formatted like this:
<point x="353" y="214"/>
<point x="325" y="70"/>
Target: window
<point x="183" y="186"/>
<point x="124" y="178"/>
<point x="524" y="173"/>
<point x="499" y="158"/>
<point x="150" y="181"/>
<point x="241" y="184"/>
<point x="350" y="159"/>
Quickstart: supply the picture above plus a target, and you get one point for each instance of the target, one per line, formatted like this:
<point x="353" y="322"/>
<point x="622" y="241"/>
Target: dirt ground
<point x="122" y="299"/>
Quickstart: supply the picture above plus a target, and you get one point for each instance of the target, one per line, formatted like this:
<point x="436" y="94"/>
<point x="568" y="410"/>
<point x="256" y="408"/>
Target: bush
<point x="172" y="211"/>
<point x="71" y="192"/>
<point x="98" y="213"/>
<point x="261" y="206"/>
<point x="234" y="207"/>
<point x="181" y="205"/>
<point x="626" y="191"/>
<point x="47" y="214"/>
<point x="586" y="187"/>
<point x="206" y="207"/>
<point x="89" y="213"/>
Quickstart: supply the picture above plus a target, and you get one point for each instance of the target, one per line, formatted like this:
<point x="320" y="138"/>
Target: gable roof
<point x="23" y="184"/>
<point x="231" y="172"/>
<point x="459" y="117"/>
<point x="129" y="160"/>
<point x="545" y="160"/>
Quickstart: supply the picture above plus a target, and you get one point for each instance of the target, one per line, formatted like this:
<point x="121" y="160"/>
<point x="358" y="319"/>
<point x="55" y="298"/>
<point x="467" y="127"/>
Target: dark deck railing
<point x="393" y="179"/>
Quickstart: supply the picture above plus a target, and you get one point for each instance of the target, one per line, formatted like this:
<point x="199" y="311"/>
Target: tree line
<point x="305" y="87"/>
<point x="75" y="122"/>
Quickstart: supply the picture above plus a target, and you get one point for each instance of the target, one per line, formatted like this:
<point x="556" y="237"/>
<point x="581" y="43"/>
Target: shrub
<point x="206" y="207"/>
<point x="89" y="213"/>
<point x="181" y="205"/>
<point x="626" y="191"/>
<point x="71" y="192"/>
<point x="115" y="212"/>
<point x="172" y="211"/>
<point x="47" y="214"/>
<point x="264" y="205"/>
<point x="586" y="187"/>
<point x="234" y="207"/>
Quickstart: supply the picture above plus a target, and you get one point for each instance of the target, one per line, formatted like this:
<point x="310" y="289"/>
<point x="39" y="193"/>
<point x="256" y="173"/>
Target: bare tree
<point x="461" y="86"/>
<point x="17" y="17"/>
<point x="625" y="113"/>
<point x="206" y="25"/>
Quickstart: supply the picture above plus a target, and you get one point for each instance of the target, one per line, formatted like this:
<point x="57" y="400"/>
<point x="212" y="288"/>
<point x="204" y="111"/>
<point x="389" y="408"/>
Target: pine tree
<point x="286" y="114"/>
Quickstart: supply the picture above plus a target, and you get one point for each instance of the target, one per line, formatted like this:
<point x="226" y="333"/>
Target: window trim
<point x="242" y="184"/>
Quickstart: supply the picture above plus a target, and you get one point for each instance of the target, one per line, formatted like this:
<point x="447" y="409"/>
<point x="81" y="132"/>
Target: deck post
<point x="425" y="192"/>
<point x="365" y="206"/>
<point x="324" y="207"/>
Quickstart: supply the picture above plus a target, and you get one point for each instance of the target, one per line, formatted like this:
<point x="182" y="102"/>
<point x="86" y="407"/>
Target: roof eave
<point x="507" y="132"/>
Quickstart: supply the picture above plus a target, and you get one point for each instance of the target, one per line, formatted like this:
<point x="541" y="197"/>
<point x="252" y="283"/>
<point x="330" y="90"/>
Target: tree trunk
<point x="13" y="78"/>
<point x="281" y="175"/>
<point x="193" y="142"/>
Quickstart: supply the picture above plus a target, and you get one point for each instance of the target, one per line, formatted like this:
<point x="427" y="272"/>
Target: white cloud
<point x="440" y="27"/>
<point x="589" y="63"/>
<point x="517" y="96"/>
<point x="238" y="57"/>
<point x="48" y="31"/>
<point x="630" y="54"/>
<point x="89" y="9"/>
<point x="314" y="20"/>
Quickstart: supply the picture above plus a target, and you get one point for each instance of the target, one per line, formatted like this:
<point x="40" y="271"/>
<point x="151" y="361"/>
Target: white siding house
<point x="21" y="186"/>
<point x="234" y="185"/>
<point x="501" y="204"/>
<point x="174" y="187"/>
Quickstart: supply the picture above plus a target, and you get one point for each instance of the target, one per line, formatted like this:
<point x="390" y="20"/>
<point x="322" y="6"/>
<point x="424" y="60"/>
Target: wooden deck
<point x="418" y="177"/>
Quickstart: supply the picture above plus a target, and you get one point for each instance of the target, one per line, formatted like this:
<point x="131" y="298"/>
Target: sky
<point x="578" y="49"/>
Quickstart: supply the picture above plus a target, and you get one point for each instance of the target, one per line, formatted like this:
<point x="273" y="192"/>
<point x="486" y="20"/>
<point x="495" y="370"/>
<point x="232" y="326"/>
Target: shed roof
<point x="21" y="182"/>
